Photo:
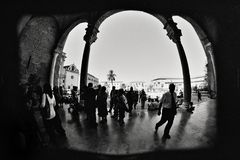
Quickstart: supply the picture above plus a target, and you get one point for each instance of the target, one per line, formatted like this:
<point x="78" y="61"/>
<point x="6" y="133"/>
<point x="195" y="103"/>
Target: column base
<point x="186" y="104"/>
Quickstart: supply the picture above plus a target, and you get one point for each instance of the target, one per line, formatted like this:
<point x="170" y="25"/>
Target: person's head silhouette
<point x="171" y="87"/>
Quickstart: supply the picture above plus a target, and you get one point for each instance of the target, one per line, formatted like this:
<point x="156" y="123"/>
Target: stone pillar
<point x="208" y="48"/>
<point x="90" y="37"/>
<point x="174" y="34"/>
<point x="55" y="55"/>
<point x="62" y="57"/>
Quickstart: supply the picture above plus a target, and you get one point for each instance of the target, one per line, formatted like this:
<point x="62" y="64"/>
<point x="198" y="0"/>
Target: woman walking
<point x="52" y="120"/>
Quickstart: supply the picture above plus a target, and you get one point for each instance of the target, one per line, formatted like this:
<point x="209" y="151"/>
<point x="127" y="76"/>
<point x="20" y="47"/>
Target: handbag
<point x="46" y="109"/>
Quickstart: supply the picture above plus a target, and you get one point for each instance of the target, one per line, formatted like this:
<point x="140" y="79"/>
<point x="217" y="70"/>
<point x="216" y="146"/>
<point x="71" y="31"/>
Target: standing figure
<point x="168" y="105"/>
<point x="28" y="124"/>
<point x="73" y="105"/>
<point x="130" y="99"/>
<point x="89" y="97"/>
<point x="102" y="104"/>
<point x="52" y="122"/>
<point x="61" y="96"/>
<point x="181" y="94"/>
<point x="57" y="96"/>
<point x="135" y="99"/>
<point x="143" y="98"/>
<point x="113" y="95"/>
<point x="199" y="95"/>
<point x="121" y="106"/>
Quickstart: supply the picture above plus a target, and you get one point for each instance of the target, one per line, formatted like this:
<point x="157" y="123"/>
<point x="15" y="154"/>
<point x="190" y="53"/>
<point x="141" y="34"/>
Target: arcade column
<point x="174" y="34"/>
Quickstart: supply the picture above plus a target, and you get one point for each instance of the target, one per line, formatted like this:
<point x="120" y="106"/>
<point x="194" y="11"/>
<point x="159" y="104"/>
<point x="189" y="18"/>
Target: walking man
<point x="130" y="100"/>
<point x="113" y="95"/>
<point x="143" y="98"/>
<point x="168" y="105"/>
<point x="199" y="95"/>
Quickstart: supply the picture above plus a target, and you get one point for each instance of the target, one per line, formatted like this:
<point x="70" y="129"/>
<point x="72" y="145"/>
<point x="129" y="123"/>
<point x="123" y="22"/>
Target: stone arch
<point x="60" y="56"/>
<point x="95" y="19"/>
<point x="201" y="34"/>
<point x="36" y="44"/>
<point x="209" y="52"/>
<point x="172" y="32"/>
<point x="105" y="15"/>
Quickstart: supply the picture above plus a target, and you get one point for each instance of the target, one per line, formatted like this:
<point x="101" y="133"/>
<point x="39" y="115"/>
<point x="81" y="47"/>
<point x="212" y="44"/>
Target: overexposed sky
<point x="135" y="46"/>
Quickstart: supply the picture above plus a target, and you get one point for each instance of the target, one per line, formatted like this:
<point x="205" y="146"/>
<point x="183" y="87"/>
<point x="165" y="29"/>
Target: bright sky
<point x="135" y="46"/>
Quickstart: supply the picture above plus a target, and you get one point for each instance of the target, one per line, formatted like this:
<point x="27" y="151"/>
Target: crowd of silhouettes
<point x="47" y="100"/>
<point x="38" y="107"/>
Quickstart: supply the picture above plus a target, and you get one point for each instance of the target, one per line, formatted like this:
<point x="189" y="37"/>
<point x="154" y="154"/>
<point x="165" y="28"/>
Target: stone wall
<point x="36" y="47"/>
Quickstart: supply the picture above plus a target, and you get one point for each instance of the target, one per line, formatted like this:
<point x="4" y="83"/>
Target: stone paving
<point x="189" y="131"/>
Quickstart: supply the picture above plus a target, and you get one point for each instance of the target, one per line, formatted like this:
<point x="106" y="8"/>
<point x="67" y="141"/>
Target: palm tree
<point x="111" y="76"/>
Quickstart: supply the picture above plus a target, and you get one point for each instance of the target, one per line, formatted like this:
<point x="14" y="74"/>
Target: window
<point x="72" y="77"/>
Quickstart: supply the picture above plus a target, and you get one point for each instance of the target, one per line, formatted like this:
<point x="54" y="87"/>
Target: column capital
<point x="91" y="34"/>
<point x="57" y="51"/>
<point x="172" y="31"/>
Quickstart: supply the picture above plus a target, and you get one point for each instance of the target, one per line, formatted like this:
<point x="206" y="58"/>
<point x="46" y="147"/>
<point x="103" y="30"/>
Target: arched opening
<point x="69" y="52"/>
<point x="147" y="119"/>
<point x="73" y="49"/>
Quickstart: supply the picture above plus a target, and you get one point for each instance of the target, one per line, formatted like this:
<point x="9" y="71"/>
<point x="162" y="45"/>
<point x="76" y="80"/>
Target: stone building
<point x="108" y="84"/>
<point x="162" y="84"/>
<point x="92" y="79"/>
<point x="70" y="77"/>
<point x="138" y="85"/>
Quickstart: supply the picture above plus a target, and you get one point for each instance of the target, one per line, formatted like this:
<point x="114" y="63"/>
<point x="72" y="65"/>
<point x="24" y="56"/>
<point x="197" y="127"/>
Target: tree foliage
<point x="111" y="76"/>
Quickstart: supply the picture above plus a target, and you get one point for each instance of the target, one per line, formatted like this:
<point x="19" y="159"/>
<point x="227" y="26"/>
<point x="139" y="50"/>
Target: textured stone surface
<point x="37" y="43"/>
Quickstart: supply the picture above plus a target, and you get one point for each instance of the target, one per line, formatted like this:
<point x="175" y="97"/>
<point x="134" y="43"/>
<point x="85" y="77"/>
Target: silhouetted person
<point x="168" y="106"/>
<point x="83" y="90"/>
<point x="180" y="98"/>
<point x="143" y="98"/>
<point x="115" y="107"/>
<point x="130" y="100"/>
<point x="199" y="95"/>
<point x="149" y="99"/>
<point x="157" y="99"/>
<point x="53" y="122"/>
<point x="113" y="95"/>
<point x="102" y="104"/>
<point x="61" y="96"/>
<point x="121" y="106"/>
<point x="28" y="124"/>
<point x="73" y="105"/>
<point x="56" y="95"/>
<point x="98" y="89"/>
<point x="135" y="99"/>
<point x="181" y="94"/>
<point x="190" y="107"/>
<point x="90" y="104"/>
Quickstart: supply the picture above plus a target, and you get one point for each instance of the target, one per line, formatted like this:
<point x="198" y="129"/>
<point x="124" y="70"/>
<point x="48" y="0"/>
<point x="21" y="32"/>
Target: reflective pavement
<point x="189" y="131"/>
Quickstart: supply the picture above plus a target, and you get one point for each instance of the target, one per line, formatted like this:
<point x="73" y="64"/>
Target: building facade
<point x="137" y="85"/>
<point x="92" y="79"/>
<point x="108" y="85"/>
<point x="70" y="77"/>
<point x="161" y="84"/>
